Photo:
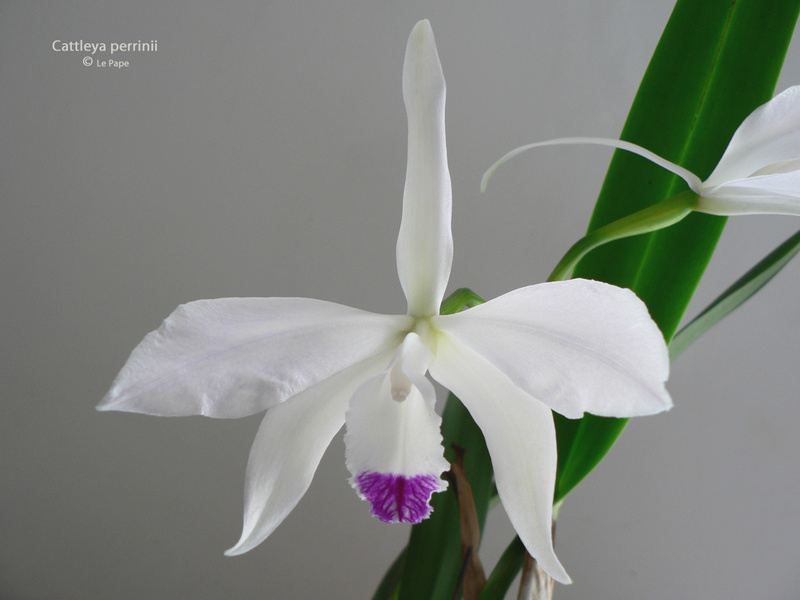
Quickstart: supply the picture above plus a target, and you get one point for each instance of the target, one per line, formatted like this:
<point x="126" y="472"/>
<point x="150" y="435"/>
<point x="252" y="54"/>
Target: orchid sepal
<point x="425" y="240"/>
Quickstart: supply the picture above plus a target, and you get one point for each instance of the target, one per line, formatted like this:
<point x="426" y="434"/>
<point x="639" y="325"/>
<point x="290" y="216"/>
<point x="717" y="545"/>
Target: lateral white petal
<point x="394" y="440"/>
<point x="288" y="447"/>
<point x="425" y="241"/>
<point x="770" y="134"/>
<point x="233" y="357"/>
<point x="777" y="193"/>
<point x="577" y="346"/>
<point x="521" y="440"/>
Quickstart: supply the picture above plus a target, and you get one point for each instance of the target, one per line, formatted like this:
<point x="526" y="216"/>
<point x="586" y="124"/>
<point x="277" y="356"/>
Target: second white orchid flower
<point x="313" y="366"/>
<point x="759" y="172"/>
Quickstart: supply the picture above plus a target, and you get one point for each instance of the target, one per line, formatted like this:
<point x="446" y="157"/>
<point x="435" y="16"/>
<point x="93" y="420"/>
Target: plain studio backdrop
<point x="260" y="151"/>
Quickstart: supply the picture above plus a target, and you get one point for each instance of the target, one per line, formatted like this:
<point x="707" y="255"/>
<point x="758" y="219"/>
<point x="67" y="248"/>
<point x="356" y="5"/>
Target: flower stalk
<point x="661" y="215"/>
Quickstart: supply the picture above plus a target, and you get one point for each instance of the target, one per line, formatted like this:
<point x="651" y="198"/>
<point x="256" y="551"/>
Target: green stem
<point x="655" y="217"/>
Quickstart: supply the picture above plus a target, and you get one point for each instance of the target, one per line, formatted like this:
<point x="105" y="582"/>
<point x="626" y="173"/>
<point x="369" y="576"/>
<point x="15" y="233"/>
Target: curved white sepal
<point x="690" y="178"/>
<point x="288" y="447"/>
<point x="520" y="437"/>
<point x="577" y="346"/>
<point x="393" y="439"/>
<point x="234" y="357"/>
<point x="425" y="241"/>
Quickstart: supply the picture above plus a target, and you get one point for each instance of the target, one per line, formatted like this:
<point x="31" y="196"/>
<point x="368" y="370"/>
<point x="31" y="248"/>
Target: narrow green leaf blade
<point x="736" y="295"/>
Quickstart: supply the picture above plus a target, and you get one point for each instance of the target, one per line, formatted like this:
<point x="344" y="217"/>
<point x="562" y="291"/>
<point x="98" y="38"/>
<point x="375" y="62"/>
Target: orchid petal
<point x="776" y="193"/>
<point x="234" y="357"/>
<point x="690" y="178"/>
<point x="770" y="134"/>
<point x="288" y="447"/>
<point x="425" y="241"/>
<point x="577" y="346"/>
<point x="783" y="166"/>
<point x="393" y="439"/>
<point x="520" y="437"/>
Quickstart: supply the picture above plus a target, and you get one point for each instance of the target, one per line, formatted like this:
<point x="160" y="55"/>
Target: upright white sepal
<point x="425" y="242"/>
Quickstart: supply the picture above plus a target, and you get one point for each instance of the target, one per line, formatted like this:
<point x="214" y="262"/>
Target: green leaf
<point x="713" y="65"/>
<point x="736" y="295"/>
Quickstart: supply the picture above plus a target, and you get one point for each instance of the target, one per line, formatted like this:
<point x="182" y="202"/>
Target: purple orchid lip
<point x="398" y="498"/>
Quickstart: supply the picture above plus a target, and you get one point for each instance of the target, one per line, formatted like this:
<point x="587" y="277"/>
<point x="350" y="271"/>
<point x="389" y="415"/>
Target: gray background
<point x="260" y="151"/>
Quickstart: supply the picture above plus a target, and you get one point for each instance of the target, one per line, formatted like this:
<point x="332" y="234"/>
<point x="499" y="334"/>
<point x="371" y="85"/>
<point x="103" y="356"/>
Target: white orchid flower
<point x="314" y="366"/>
<point x="759" y="172"/>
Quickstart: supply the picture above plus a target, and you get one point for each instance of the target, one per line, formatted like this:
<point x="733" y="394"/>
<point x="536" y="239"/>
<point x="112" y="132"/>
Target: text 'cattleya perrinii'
<point x="573" y="346"/>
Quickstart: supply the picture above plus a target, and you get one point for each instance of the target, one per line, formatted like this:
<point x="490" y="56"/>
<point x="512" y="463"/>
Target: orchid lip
<point x="398" y="498"/>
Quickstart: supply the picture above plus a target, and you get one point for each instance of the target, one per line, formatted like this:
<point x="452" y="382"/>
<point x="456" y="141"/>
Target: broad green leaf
<point x="736" y="295"/>
<point x="713" y="65"/>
